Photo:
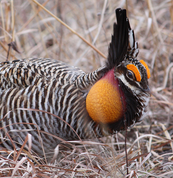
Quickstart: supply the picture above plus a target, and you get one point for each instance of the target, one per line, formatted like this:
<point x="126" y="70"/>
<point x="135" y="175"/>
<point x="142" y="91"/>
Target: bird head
<point x="122" y="94"/>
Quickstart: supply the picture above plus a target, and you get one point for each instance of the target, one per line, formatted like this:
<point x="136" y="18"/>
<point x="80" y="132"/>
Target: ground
<point x="39" y="34"/>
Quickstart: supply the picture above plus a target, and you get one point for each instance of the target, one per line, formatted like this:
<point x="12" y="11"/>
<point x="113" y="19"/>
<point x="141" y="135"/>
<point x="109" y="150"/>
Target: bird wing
<point x="33" y="71"/>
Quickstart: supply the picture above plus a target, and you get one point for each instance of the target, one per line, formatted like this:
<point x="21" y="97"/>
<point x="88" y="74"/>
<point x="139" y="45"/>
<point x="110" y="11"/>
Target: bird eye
<point x="130" y="75"/>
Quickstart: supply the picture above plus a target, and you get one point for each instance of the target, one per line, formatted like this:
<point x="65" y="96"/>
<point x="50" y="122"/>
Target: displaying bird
<point x="49" y="99"/>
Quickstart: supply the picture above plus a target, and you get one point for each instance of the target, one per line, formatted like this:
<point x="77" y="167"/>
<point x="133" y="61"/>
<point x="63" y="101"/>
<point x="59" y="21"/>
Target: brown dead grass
<point x="37" y="33"/>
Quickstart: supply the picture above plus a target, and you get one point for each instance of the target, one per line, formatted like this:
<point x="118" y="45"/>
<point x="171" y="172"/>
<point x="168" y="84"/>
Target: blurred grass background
<point x="38" y="34"/>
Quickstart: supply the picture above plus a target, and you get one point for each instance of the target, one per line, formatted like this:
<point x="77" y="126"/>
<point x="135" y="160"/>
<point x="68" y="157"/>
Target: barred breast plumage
<point x="49" y="99"/>
<point x="47" y="85"/>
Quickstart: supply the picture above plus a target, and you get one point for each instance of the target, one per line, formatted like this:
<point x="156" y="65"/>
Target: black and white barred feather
<point x="47" y="85"/>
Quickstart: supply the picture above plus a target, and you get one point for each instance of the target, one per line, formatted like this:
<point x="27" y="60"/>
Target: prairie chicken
<point x="88" y="105"/>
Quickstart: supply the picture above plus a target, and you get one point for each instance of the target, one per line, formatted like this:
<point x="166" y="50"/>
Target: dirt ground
<point x="38" y="34"/>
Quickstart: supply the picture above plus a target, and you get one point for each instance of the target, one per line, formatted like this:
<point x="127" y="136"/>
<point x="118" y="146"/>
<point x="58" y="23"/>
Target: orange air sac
<point x="104" y="102"/>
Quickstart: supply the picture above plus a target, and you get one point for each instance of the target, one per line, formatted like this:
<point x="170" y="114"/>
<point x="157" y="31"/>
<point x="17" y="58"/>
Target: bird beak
<point x="147" y="90"/>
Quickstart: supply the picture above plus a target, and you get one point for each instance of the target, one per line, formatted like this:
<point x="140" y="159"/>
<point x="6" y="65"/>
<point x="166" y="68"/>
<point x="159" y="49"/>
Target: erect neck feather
<point x="105" y="100"/>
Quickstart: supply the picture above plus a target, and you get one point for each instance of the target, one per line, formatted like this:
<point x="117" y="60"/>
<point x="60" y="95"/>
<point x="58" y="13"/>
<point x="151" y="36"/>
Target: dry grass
<point x="37" y="33"/>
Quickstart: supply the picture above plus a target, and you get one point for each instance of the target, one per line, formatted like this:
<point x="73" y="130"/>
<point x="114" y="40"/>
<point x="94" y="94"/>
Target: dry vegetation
<point x="37" y="33"/>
